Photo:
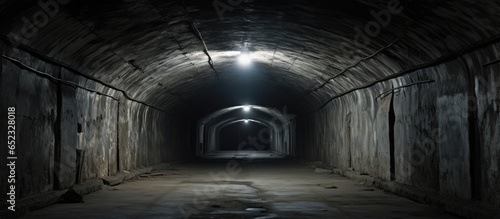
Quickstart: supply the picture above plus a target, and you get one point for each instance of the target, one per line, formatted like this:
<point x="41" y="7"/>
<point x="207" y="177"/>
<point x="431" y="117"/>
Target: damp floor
<point x="242" y="186"/>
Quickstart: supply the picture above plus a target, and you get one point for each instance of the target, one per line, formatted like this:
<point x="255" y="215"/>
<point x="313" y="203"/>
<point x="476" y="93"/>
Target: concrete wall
<point x="487" y="108"/>
<point x="54" y="120"/>
<point x="444" y="134"/>
<point x="35" y="99"/>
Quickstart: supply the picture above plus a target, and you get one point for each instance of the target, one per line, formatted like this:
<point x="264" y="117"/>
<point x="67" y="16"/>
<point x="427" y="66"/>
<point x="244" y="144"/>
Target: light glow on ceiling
<point x="244" y="58"/>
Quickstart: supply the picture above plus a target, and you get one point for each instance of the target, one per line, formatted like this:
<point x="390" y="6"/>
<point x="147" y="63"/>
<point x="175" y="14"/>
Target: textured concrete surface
<point x="262" y="189"/>
<point x="149" y="48"/>
<point x="65" y="149"/>
<point x="29" y="204"/>
<point x="463" y="209"/>
<point x="35" y="124"/>
<point x="445" y="132"/>
<point x="98" y="137"/>
<point x="54" y="120"/>
<point x="321" y="59"/>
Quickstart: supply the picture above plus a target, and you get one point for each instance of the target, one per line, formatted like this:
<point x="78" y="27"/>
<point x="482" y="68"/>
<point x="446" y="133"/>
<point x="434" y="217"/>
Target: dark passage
<point x="249" y="109"/>
<point x="233" y="137"/>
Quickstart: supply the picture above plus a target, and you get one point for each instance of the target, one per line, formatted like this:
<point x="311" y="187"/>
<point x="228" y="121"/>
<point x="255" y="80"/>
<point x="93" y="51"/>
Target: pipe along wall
<point x="442" y="135"/>
<point x="67" y="135"/>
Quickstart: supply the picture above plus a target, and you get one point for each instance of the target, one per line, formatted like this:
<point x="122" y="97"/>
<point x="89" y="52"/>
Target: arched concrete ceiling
<point x="226" y="123"/>
<point x="254" y="112"/>
<point x="149" y="49"/>
<point x="238" y="116"/>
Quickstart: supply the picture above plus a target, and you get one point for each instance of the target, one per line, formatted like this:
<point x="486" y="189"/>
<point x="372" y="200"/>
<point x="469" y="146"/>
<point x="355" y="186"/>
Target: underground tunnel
<point x="250" y="109"/>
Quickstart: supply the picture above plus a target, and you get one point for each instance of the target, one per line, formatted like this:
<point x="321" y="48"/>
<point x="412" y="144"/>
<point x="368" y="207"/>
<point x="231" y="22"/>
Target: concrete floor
<point x="251" y="188"/>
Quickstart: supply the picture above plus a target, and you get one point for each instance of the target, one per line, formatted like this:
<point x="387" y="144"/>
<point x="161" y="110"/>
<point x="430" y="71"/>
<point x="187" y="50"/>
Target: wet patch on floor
<point x="328" y="186"/>
<point x="263" y="190"/>
<point x="303" y="208"/>
<point x="368" y="190"/>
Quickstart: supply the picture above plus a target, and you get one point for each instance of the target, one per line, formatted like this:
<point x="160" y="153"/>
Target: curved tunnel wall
<point x="56" y="120"/>
<point x="148" y="48"/>
<point x="444" y="135"/>
<point x="305" y="55"/>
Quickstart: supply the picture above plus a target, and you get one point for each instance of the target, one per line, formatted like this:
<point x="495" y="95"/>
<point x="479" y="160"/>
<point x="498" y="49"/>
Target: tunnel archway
<point x="405" y="92"/>
<point x="281" y="127"/>
<point x="234" y="136"/>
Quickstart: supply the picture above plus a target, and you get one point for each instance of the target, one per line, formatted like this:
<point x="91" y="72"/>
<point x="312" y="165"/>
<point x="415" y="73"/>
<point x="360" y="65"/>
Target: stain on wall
<point x="54" y="121"/>
<point x="434" y="137"/>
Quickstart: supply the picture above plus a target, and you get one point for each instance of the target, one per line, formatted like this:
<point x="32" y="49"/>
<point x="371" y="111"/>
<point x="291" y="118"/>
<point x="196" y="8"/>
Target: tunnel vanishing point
<point x="401" y="95"/>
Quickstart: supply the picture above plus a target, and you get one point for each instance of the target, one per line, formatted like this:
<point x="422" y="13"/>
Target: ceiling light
<point x="246" y="120"/>
<point x="244" y="58"/>
<point x="246" y="108"/>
